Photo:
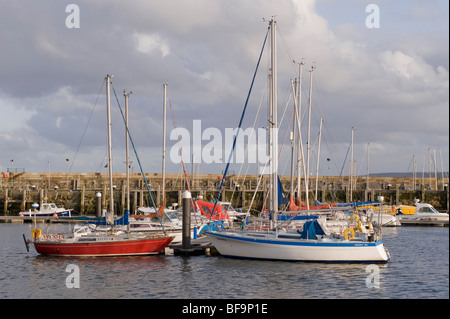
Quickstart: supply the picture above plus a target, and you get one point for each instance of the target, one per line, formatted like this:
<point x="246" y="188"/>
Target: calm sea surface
<point x="419" y="269"/>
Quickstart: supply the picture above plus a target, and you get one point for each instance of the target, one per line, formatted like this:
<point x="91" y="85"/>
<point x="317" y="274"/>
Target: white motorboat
<point x="47" y="209"/>
<point x="421" y="214"/>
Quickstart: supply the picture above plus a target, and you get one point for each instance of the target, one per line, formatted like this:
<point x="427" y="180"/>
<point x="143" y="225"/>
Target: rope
<point x="340" y="175"/>
<point x="246" y="149"/>
<point x="85" y="129"/>
<point x="279" y="155"/>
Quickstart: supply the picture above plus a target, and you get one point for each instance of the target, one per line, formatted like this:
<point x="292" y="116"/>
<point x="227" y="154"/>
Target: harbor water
<point x="419" y="269"/>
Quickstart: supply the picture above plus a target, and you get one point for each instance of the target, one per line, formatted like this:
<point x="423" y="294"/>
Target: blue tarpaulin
<point x="311" y="229"/>
<point x="214" y="226"/>
<point x="124" y="220"/>
<point x="282" y="200"/>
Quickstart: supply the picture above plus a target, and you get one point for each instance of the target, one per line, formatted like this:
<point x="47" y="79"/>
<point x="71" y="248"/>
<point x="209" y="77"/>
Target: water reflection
<point x="419" y="269"/>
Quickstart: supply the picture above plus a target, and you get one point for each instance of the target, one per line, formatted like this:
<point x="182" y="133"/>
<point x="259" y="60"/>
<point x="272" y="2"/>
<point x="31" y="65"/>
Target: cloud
<point x="146" y="43"/>
<point x="414" y="70"/>
<point x="382" y="81"/>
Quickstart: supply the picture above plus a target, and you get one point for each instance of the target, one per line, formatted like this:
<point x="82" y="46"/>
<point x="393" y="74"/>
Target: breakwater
<point x="18" y="191"/>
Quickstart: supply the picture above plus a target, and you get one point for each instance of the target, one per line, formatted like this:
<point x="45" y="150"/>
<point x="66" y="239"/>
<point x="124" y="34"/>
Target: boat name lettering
<point x="52" y="236"/>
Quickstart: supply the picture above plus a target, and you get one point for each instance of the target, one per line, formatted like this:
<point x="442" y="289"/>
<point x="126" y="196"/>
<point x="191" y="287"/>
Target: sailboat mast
<point x="300" y="156"/>
<point x="126" y="95"/>
<point x="273" y="132"/>
<point x="368" y="170"/>
<point x="110" y="215"/>
<point x="429" y="168"/>
<point x="351" y="169"/>
<point x="164" y="146"/>
<point x="298" y="115"/>
<point x="414" y="172"/>
<point x="435" y="172"/>
<point x="442" y="170"/>
<point x="294" y="127"/>
<point x="308" y="145"/>
<point x="318" y="157"/>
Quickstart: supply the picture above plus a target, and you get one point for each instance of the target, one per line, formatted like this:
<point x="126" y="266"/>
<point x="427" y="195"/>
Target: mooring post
<point x="98" y="204"/>
<point x="186" y="240"/>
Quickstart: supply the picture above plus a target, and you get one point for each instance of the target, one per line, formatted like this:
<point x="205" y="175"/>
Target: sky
<point x="383" y="72"/>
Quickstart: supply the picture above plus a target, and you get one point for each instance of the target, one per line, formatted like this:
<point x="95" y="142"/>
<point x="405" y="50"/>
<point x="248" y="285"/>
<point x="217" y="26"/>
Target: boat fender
<point x="36" y="233"/>
<point x="393" y="210"/>
<point x="349" y="232"/>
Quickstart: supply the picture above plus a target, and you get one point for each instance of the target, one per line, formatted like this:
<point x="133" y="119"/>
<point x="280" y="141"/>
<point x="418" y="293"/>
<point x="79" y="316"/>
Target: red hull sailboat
<point x="108" y="245"/>
<point x="84" y="241"/>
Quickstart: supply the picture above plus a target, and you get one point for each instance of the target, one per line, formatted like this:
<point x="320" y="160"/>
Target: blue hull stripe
<point x="296" y="243"/>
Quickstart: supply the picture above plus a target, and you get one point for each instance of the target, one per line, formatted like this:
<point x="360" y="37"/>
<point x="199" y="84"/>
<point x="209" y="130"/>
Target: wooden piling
<point x="77" y="190"/>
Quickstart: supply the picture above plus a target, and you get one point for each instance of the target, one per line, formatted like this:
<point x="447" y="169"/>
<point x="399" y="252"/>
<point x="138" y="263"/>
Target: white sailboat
<point x="286" y="245"/>
<point x="313" y="243"/>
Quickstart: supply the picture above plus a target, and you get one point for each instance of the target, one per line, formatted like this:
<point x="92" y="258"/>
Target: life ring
<point x="347" y="231"/>
<point x="36" y="233"/>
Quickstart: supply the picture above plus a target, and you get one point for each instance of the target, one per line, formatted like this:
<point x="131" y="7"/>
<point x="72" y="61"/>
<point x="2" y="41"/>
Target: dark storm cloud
<point x="381" y="81"/>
